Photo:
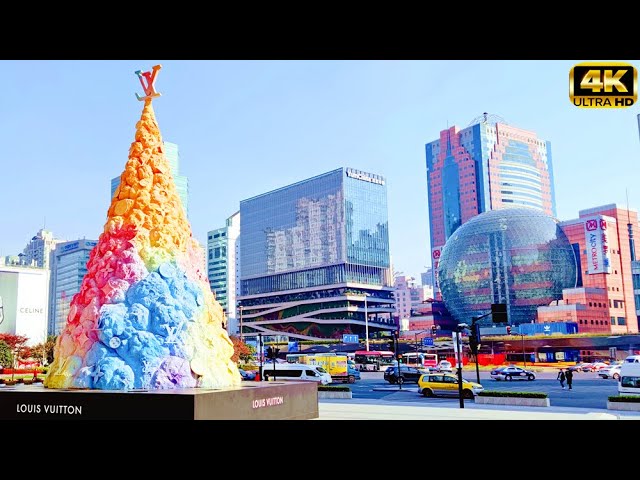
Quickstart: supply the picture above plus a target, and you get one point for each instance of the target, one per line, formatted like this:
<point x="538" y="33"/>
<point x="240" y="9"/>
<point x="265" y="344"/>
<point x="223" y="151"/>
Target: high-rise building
<point x="222" y="265"/>
<point x="182" y="182"/>
<point x="37" y="251"/>
<point x="68" y="268"/>
<point x="427" y="277"/>
<point x="408" y="295"/>
<point x="24" y="291"/>
<point x="604" y="299"/>
<point x="486" y="166"/>
<point x="315" y="258"/>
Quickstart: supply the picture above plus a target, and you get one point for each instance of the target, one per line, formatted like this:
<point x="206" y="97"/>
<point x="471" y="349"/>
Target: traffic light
<point x="499" y="313"/>
<point x="272" y="353"/>
<point x="508" y="330"/>
<point x="474" y="338"/>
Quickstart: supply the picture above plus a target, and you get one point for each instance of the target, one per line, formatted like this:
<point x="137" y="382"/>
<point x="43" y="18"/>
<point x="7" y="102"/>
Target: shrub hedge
<point x="496" y="393"/>
<point x="333" y="388"/>
<point x="625" y="398"/>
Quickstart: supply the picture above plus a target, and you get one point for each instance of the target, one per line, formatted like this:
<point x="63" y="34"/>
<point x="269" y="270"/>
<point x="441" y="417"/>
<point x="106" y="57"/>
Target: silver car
<point x="512" y="373"/>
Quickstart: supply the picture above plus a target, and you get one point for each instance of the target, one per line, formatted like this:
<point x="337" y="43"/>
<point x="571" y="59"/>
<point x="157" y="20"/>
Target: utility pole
<point x="459" y="329"/>
<point x="474" y="343"/>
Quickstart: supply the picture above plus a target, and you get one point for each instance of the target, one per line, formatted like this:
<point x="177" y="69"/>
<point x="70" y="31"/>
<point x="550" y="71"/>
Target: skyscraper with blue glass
<point x="486" y="166"/>
<point x="314" y="258"/>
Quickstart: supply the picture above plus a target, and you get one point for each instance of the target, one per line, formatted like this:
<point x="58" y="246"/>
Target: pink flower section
<point x="109" y="276"/>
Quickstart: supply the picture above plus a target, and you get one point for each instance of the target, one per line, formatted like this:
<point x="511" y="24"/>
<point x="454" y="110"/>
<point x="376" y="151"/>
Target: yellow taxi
<point x="432" y="384"/>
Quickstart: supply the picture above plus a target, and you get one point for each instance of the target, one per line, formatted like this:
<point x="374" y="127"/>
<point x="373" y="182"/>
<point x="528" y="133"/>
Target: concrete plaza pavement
<point x="356" y="409"/>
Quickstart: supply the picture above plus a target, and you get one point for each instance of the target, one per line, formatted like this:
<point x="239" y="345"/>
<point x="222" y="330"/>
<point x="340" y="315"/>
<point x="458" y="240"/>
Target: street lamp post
<point x="524" y="358"/>
<point x="366" y="323"/>
<point x="260" y="354"/>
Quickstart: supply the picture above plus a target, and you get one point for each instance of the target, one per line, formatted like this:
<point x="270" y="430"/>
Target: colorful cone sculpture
<point x="145" y="316"/>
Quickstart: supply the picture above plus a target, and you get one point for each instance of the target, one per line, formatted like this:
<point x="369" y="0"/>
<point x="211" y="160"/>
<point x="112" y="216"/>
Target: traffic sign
<point x="427" y="342"/>
<point x="348" y="338"/>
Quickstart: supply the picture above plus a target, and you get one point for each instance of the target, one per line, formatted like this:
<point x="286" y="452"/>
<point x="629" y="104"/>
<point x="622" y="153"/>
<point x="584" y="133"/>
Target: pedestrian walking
<point x="569" y="376"/>
<point x="561" y="377"/>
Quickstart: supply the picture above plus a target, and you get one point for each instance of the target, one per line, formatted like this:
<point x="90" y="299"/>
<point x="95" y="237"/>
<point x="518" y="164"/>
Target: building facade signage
<point x="435" y="260"/>
<point x="364" y="176"/>
<point x="597" y="245"/>
<point x="70" y="246"/>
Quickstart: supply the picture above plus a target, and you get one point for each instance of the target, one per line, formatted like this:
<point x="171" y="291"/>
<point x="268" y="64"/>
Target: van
<point x="630" y="376"/>
<point x="297" y="372"/>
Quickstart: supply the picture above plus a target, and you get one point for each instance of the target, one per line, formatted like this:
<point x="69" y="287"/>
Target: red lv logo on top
<point x="147" y="80"/>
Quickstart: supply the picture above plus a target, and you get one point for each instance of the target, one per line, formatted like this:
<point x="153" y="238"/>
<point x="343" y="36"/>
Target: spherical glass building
<point x="516" y="256"/>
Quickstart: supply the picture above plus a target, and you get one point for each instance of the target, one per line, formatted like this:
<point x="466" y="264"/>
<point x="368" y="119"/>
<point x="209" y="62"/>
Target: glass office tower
<point x="68" y="268"/>
<point x="314" y="258"/>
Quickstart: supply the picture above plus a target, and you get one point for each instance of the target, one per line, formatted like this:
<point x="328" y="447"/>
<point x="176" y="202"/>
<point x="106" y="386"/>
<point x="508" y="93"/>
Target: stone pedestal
<point x="249" y="401"/>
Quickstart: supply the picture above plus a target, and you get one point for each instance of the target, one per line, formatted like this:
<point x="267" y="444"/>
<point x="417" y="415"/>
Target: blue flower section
<point x="142" y="339"/>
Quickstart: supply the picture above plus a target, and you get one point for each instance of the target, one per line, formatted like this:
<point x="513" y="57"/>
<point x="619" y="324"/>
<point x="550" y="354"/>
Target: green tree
<point x="49" y="346"/>
<point x="6" y="359"/>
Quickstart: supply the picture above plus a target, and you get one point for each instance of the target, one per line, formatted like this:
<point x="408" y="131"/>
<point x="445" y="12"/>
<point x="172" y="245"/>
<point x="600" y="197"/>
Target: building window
<point x="613" y="320"/>
<point x="621" y="321"/>
<point x="605" y="322"/>
<point x="589" y="305"/>
<point x="591" y="322"/>
<point x="580" y="324"/>
<point x="599" y="304"/>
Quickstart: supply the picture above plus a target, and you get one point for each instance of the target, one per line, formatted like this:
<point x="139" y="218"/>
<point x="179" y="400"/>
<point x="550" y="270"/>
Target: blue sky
<point x="247" y="127"/>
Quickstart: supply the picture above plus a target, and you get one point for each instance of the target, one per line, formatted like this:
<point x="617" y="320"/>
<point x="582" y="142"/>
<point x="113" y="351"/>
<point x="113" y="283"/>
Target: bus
<point x="373" y="360"/>
<point x="420" y="359"/>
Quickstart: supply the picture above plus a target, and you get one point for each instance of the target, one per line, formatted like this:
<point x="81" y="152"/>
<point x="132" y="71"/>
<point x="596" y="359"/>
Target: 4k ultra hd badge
<point x="603" y="85"/>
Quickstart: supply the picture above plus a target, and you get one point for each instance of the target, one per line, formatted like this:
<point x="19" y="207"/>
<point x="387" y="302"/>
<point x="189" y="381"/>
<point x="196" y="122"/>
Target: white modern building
<point x="409" y="296"/>
<point x="223" y="263"/>
<point x="37" y="251"/>
<point x="24" y="294"/>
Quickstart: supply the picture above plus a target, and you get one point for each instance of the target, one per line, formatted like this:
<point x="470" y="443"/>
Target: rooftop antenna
<point x="632" y="243"/>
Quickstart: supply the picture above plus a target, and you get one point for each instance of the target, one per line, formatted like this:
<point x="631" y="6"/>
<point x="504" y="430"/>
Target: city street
<point x="589" y="390"/>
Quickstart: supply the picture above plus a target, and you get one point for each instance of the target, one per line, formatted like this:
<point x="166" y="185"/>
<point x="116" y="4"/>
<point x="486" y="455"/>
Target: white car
<point x="445" y="366"/>
<point x="612" y="371"/>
